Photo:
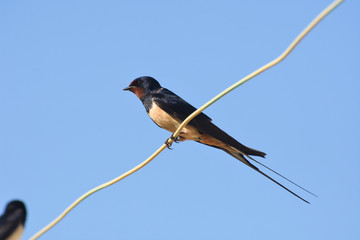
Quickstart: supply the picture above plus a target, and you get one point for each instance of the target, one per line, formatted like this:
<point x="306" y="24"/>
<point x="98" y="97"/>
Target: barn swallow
<point x="12" y="221"/>
<point x="168" y="110"/>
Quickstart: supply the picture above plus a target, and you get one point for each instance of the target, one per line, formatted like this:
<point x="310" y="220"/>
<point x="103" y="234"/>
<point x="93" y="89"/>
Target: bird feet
<point x="170" y="140"/>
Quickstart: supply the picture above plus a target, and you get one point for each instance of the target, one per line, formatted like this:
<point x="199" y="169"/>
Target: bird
<point x="168" y="111"/>
<point x="12" y="222"/>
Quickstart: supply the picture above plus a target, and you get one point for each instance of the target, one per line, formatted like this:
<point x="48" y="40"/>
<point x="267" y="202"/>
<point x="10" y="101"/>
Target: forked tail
<point x="241" y="157"/>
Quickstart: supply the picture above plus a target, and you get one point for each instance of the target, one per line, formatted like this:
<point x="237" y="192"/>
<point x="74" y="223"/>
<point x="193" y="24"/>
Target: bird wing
<point x="176" y="106"/>
<point x="179" y="108"/>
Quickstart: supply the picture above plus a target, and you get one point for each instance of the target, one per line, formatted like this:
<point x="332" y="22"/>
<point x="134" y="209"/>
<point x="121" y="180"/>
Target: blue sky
<point x="66" y="126"/>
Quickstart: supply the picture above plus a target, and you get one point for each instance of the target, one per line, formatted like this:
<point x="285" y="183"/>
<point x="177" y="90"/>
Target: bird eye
<point x="137" y="82"/>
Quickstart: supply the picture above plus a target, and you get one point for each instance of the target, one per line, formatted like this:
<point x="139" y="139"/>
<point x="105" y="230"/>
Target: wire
<point x="191" y="116"/>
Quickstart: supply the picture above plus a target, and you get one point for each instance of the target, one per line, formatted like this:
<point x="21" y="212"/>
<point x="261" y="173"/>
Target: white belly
<point x="164" y="120"/>
<point x="16" y="235"/>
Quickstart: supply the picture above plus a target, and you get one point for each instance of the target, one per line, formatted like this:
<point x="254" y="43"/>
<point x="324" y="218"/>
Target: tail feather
<point x="242" y="158"/>
<point x="254" y="152"/>
<point x="287" y="179"/>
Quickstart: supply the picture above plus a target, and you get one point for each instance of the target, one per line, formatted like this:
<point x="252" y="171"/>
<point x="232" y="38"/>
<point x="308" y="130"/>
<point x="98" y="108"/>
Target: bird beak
<point x="128" y="88"/>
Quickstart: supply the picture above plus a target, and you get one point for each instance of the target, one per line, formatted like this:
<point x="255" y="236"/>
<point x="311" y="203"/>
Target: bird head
<point x="19" y="206"/>
<point x="142" y="85"/>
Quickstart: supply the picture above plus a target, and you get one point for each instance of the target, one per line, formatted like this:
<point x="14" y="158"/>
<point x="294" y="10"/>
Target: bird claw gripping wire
<point x="170" y="140"/>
